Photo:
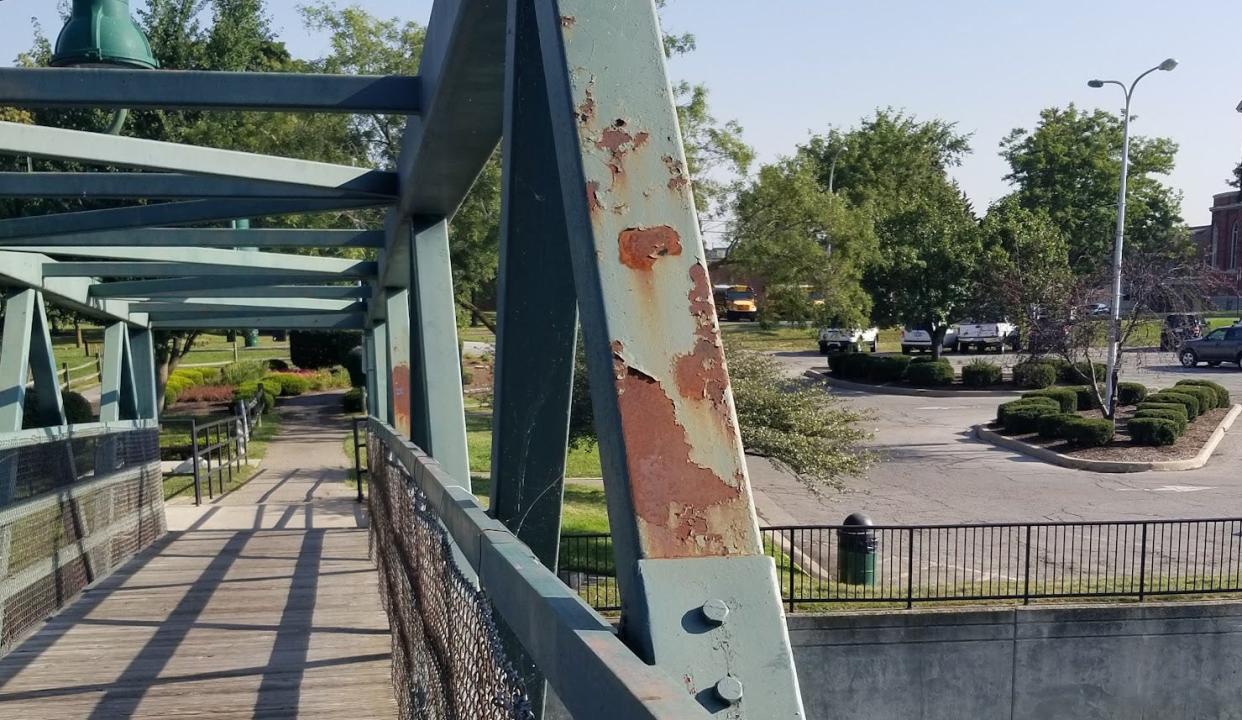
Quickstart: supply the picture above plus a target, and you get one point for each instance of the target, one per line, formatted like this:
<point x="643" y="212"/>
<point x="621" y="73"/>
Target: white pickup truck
<point x="921" y="339"/>
<point x="842" y="340"/>
<point x="987" y="336"/>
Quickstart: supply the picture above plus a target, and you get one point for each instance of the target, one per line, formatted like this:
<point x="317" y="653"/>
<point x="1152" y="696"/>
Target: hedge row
<point x="1046" y="371"/>
<point x="1052" y="416"/>
<point x="868" y="367"/>
<point x="1163" y="417"/>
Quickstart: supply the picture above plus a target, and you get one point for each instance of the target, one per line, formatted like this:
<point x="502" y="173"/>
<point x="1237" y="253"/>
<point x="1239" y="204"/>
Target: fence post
<point x="357" y="461"/>
<point x="792" y="571"/>
<point x="910" y="569"/>
<point x="1142" y="562"/>
<point x="64" y="368"/>
<point x="1026" y="583"/>
<point x="198" y="488"/>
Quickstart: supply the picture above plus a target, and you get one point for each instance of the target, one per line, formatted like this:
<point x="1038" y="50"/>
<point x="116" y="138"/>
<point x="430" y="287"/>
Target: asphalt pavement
<point x="931" y="470"/>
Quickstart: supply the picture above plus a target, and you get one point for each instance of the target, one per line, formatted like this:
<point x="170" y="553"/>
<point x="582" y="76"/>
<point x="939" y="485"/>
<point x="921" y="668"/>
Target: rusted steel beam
<point x="679" y="500"/>
<point x="398" y="325"/>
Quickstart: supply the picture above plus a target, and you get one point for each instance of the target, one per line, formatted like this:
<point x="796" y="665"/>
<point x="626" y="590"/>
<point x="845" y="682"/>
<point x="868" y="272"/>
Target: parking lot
<point x="932" y="471"/>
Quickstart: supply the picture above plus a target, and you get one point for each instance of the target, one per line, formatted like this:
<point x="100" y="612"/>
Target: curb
<point x="908" y="391"/>
<point x="1114" y="466"/>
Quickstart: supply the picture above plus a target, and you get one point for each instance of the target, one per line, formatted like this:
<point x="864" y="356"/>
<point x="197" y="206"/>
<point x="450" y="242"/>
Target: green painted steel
<point x="211" y="238"/>
<point x="537" y="317"/>
<point x="364" y="270"/>
<point x="319" y="321"/>
<point x="171" y="213"/>
<point x="381" y="378"/>
<point x="245" y="306"/>
<point x="208" y="90"/>
<point x="438" y="369"/>
<point x="191" y="257"/>
<point x="675" y="474"/>
<point x="118" y="395"/>
<point x="154" y="185"/>
<point x="101" y="32"/>
<point x="142" y="354"/>
<point x="26" y="350"/>
<point x="88" y="147"/>
<point x="275" y="286"/>
<point x="26" y="270"/>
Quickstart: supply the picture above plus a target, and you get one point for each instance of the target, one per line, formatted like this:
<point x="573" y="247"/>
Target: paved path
<point x="932" y="471"/>
<point x="260" y="605"/>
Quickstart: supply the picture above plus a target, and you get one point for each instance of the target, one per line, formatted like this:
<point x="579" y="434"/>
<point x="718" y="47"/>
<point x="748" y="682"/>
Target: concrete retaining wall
<point x="1166" y="661"/>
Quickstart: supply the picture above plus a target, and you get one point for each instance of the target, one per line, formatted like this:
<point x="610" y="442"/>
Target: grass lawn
<point x="183" y="485"/>
<point x="208" y="348"/>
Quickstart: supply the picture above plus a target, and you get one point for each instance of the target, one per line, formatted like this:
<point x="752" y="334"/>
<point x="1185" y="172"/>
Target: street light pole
<point x="1114" y="342"/>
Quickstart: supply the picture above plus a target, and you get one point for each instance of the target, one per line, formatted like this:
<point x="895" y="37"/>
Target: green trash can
<point x="856" y="546"/>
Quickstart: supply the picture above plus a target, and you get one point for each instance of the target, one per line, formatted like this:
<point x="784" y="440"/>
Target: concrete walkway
<point x="262" y="604"/>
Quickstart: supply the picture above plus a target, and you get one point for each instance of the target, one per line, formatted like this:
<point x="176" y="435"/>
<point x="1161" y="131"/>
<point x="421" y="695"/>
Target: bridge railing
<point x="75" y="503"/>
<point x="446" y="566"/>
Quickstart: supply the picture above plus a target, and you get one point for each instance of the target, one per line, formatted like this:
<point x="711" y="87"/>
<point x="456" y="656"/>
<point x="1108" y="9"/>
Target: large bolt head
<point x="715" y="611"/>
<point x="729" y="689"/>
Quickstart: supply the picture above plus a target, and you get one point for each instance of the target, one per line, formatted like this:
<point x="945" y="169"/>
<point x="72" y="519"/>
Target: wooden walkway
<point x="263" y="605"/>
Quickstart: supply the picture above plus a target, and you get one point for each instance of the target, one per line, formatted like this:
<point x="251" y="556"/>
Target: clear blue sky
<point x="786" y="68"/>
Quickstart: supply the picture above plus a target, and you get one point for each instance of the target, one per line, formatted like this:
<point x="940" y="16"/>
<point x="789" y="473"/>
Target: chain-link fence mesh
<point x="447" y="661"/>
<point x="71" y="511"/>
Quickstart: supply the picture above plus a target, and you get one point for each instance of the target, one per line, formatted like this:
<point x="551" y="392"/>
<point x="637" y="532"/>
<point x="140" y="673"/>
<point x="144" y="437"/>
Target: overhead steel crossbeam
<point x="247" y="261"/>
<point x="105" y="269"/>
<point x="260" y="286"/>
<point x="209" y="238"/>
<point x="26" y="270"/>
<point x="241" y="305"/>
<point x="156" y="186"/>
<point x="207" y="90"/>
<point x="304" y="321"/>
<point x="96" y="148"/>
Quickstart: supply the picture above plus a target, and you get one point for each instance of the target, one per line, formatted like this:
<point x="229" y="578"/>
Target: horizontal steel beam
<point x="308" y="321"/>
<point x="215" y="287"/>
<point x="26" y="270"/>
<point x="280" y="286"/>
<point x="250" y="261"/>
<point x="210" y="238"/>
<point x="244" y="306"/>
<point x="206" y="90"/>
<point x="174" y="213"/>
<point x="105" y="269"/>
<point x="103" y="149"/>
<point x="154" y="185"/>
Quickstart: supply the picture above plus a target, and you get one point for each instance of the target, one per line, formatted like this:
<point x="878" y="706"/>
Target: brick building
<point x="1221" y="241"/>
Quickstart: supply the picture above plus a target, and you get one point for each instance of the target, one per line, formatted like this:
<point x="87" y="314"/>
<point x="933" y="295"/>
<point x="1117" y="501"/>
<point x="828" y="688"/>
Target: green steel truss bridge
<point x="599" y="231"/>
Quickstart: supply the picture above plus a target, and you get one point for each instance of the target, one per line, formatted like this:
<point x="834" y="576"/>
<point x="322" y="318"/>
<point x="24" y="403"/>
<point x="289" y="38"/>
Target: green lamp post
<point x="101" y="33"/>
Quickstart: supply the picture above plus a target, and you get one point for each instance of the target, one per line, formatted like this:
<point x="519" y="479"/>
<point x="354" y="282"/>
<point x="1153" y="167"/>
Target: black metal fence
<point x="884" y="565"/>
<point x="218" y="447"/>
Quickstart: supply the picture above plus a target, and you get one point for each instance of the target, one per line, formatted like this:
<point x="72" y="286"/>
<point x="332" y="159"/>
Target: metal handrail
<point x="36" y="436"/>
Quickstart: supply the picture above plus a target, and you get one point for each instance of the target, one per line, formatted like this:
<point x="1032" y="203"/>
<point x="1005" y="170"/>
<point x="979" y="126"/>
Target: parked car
<point x="736" y="302"/>
<point x="1098" y="309"/>
<point x="984" y="336"/>
<point x="843" y="340"/>
<point x="1220" y="345"/>
<point x="1180" y="327"/>
<point x="920" y="338"/>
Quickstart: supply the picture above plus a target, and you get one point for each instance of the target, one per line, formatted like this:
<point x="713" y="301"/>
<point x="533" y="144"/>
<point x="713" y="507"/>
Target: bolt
<point x="729" y="689"/>
<point x="715" y="611"/>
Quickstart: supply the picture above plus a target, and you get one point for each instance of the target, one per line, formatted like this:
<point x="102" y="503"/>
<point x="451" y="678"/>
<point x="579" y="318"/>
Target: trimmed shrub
<point x="1005" y="408"/>
<point x="242" y="372"/>
<point x="206" y="393"/>
<point x="981" y="373"/>
<point x="1034" y="375"/>
<point x="288" y="383"/>
<point x="1222" y="393"/>
<point x="1088" y="432"/>
<point x="1177" y="408"/>
<point x="1080" y="372"/>
<point x="1087" y="399"/>
<point x="1173" y="415"/>
<point x="885" y="368"/>
<point x="192" y="376"/>
<point x="354" y="365"/>
<point x="1066" y="397"/>
<point x="1052" y="426"/>
<point x="314" y="349"/>
<point x="1023" y="420"/>
<point x="849" y="365"/>
<point x="922" y="359"/>
<point x="930" y="374"/>
<point x="1131" y="393"/>
<point x="1193" y="408"/>
<point x="277" y="365"/>
<point x="77" y="408"/>
<point x="1153" y="431"/>
<point x="1205" y="395"/>
<point x="352" y="401"/>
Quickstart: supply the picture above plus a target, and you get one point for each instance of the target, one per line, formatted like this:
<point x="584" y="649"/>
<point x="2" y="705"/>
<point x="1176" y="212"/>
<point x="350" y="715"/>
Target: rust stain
<point x="401" y="397"/>
<point x="613" y="139"/>
<point x="618" y="142"/>
<point x="641" y="139"/>
<point x="678" y="182"/>
<point x="700" y="373"/>
<point x="641" y="247"/>
<point x="593" y="204"/>
<point x="586" y="110"/>
<point x="685" y="509"/>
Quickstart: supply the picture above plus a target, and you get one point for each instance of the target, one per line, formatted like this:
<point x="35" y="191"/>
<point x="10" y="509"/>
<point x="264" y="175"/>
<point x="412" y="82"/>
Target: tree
<point x="1028" y="255"/>
<point x="1070" y="167"/>
<point x="789" y="232"/>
